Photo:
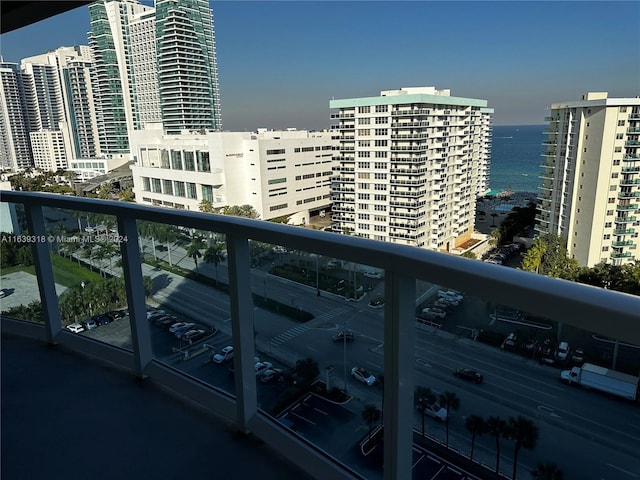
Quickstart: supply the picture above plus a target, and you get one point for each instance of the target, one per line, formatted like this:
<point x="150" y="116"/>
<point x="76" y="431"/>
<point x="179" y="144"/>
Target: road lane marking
<point x="622" y="470"/>
<point x="312" y="348"/>
<point x="374" y="364"/>
<point x="320" y="411"/>
<point x="302" y="418"/>
<point x="548" y="410"/>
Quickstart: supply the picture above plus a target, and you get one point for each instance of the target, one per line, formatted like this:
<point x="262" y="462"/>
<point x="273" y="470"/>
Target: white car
<point x="363" y="376"/>
<point x="450" y="294"/>
<point x="279" y="250"/>
<point x="224" y="355"/>
<point x="562" y="353"/>
<point x="436" y="411"/>
<point x="377" y="275"/>
<point x="433" y="312"/>
<point x="184" y="329"/>
<point x="262" y="367"/>
<point x="269" y="375"/>
<point x="75" y="328"/>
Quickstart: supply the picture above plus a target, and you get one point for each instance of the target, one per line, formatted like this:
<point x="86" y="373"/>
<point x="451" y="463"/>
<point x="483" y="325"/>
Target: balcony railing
<point x="590" y="308"/>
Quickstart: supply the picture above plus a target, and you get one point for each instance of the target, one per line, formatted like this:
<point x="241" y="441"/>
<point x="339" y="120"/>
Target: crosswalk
<point x="288" y="335"/>
<point x="338" y="312"/>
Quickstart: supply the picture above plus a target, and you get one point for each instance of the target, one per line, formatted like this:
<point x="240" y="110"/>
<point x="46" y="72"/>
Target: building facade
<point x="15" y="149"/>
<point x="411" y="164"/>
<point x="590" y="190"/>
<point x="279" y="173"/>
<point x="48" y="148"/>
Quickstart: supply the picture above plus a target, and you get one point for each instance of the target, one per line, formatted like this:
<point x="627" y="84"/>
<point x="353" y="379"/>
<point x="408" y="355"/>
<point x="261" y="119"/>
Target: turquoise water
<point x="515" y="157"/>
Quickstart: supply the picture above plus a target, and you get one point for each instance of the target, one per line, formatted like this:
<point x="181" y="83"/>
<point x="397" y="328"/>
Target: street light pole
<point x="317" y="277"/>
<point x="344" y="347"/>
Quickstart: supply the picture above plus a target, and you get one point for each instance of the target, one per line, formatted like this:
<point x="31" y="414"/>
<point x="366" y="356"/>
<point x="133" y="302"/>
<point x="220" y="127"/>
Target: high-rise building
<point x="187" y="67"/>
<point x="110" y="39"/>
<point x="590" y="191"/>
<point x="15" y="150"/>
<point x="153" y="64"/>
<point x="411" y="164"/>
<point x="48" y="148"/>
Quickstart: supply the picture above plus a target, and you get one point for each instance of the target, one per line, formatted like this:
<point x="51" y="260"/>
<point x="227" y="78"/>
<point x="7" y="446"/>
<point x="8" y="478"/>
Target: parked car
<point x="332" y="264"/>
<point x="469" y="375"/>
<point x="89" y="324"/>
<point x="262" y="367"/>
<point x="452" y="302"/>
<point x="433" y="312"/>
<point x="118" y="314"/>
<point x="279" y="250"/>
<point x="562" y="352"/>
<point x="152" y="314"/>
<point x="184" y="329"/>
<point x="75" y="328"/>
<point x="450" y="294"/>
<point x="161" y="248"/>
<point x="510" y="341"/>
<point x="270" y="375"/>
<point x="546" y="353"/>
<point x="343" y="337"/>
<point x="363" y="376"/>
<point x="193" y="336"/>
<point x="433" y="410"/>
<point x="377" y="275"/>
<point x="165" y="321"/>
<point x="3" y="293"/>
<point x="101" y="319"/>
<point x="578" y="355"/>
<point x="223" y="355"/>
<point x="174" y="328"/>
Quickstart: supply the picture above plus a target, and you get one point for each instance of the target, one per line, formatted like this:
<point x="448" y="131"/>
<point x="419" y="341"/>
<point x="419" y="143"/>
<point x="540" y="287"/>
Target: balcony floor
<point x="69" y="416"/>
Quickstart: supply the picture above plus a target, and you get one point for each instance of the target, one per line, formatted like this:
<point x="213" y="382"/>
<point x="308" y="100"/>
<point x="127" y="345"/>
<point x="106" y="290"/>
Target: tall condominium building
<point x="153" y="64"/>
<point x="48" y="148"/>
<point x="590" y="191"/>
<point x="279" y="173"/>
<point x="411" y="164"/>
<point x="15" y="151"/>
<point x="187" y="66"/>
<point x="114" y="84"/>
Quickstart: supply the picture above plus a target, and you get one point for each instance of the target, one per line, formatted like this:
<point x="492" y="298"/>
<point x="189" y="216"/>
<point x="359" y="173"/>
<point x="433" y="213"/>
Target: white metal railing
<point x="609" y="313"/>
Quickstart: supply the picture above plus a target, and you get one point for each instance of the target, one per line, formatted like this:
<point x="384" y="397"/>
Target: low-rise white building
<point x="88" y="168"/>
<point x="279" y="173"/>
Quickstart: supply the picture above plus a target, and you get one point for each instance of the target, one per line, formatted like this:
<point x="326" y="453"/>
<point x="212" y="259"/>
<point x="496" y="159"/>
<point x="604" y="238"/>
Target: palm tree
<point x="193" y="251"/>
<point x="371" y="414"/>
<point x="422" y="397"/>
<point x="450" y="401"/>
<point x="497" y="427"/>
<point x="547" y="471"/>
<point x="524" y="434"/>
<point x="214" y="255"/>
<point x="476" y="425"/>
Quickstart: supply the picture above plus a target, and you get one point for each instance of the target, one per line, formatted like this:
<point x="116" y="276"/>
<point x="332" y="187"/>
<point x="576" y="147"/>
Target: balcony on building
<point x="237" y="400"/>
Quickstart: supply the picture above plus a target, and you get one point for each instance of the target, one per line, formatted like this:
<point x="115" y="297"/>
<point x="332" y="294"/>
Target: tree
<point x="127" y="195"/>
<point x="476" y="426"/>
<point x="469" y="254"/>
<point x="193" y="251"/>
<point x="450" y="401"/>
<point x="496" y="236"/>
<point x="497" y="427"/>
<point x="307" y="370"/>
<point x="423" y="397"/>
<point x="548" y="256"/>
<point x="214" y="255"/>
<point x="371" y="414"/>
<point x="533" y="258"/>
<point x="524" y="434"/>
<point x="547" y="471"/>
<point x="206" y="206"/>
<point x="246" y="211"/>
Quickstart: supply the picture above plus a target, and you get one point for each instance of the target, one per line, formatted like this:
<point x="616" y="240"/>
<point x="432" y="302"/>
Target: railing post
<point x="399" y="371"/>
<point x="242" y="330"/>
<point x="132" y="270"/>
<point x="44" y="272"/>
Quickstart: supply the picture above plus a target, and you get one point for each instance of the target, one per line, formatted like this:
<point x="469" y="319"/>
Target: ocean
<point x="515" y="157"/>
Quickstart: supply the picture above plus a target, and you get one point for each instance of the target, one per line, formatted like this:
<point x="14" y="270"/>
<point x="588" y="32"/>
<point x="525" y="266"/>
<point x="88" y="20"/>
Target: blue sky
<point x="281" y="62"/>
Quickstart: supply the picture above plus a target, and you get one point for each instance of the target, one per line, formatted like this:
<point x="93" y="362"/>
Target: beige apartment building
<point x="590" y="191"/>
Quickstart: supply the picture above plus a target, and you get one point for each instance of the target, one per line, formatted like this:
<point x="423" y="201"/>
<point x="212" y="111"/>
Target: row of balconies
<point x="630" y="169"/>
<point x="622" y="195"/>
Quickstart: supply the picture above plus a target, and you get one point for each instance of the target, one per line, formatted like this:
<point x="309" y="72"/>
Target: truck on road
<point x="602" y="379"/>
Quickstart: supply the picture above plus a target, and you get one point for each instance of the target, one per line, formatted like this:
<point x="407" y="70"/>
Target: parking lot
<point x="428" y="465"/>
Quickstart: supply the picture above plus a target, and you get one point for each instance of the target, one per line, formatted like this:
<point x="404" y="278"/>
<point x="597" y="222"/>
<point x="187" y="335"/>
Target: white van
<point x="75" y="328"/>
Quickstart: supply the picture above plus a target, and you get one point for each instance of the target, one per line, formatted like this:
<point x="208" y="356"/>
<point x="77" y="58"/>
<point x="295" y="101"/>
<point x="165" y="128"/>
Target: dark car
<point x="161" y="248"/>
<point x="343" y="337"/>
<point x="118" y="314"/>
<point x="469" y="375"/>
<point x="101" y="320"/>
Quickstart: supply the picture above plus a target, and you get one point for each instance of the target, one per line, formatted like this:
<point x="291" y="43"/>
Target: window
<point x="379" y="218"/>
<point x="178" y="189"/>
<point x="278" y="207"/>
<point x="274" y="181"/>
<point x="381" y="120"/>
<point x="364" y="143"/>
<point x="381" y="143"/>
<point x="380" y="208"/>
<point x="304" y="149"/>
<point x="364" y="154"/>
<point x="623" y="109"/>
<point x="612" y="200"/>
<point x="364" y="132"/>
<point x="612" y="188"/>
<point x="380" y="187"/>
<point x="363" y="186"/>
<point x="146" y="184"/>
<point x="607" y="225"/>
<point x="621" y="123"/>
<point x="363" y="164"/>
<point x="363" y="216"/>
<point x="617" y="149"/>
<point x="189" y="163"/>
<point x="363" y="196"/>
<point x="381" y="131"/>
<point x="607" y="236"/>
<point x="605" y="249"/>
<point x="380" y="176"/>
<point x="176" y="160"/>
<point x="203" y="161"/>
<point x="364" y="109"/>
<point x="155" y="185"/>
<point x="364" y="121"/>
<point x="382" y="108"/>
<point x="609" y="212"/>
<point x="278" y="151"/>
<point x="164" y="159"/>
<point x="619" y="136"/>
<point x="614" y="175"/>
<point x="191" y="190"/>
<point x="380" y="198"/>
<point x="364" y="175"/>
<point x="207" y="192"/>
<point x="296" y="150"/>
<point x="380" y="228"/>
<point x="381" y="154"/>
<point x="616" y="162"/>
